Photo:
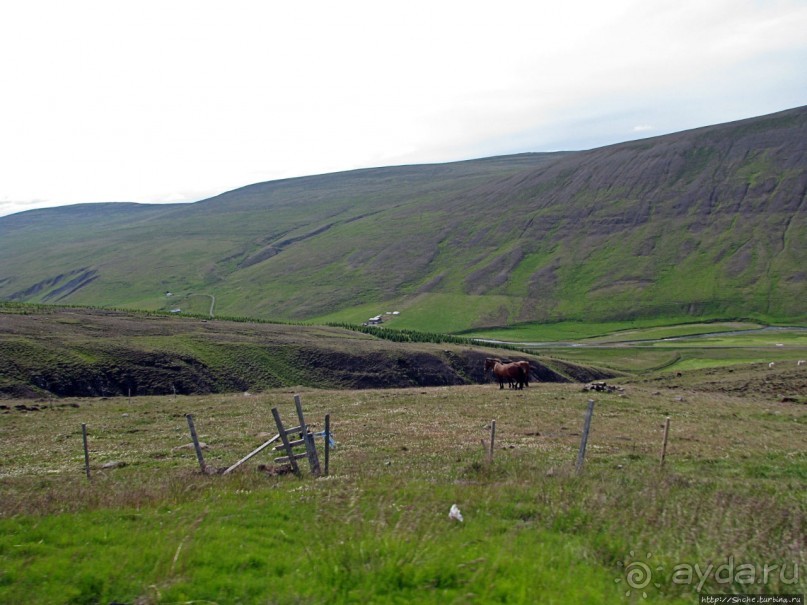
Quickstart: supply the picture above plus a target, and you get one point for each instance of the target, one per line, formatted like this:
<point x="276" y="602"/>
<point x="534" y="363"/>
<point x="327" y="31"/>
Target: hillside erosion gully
<point x="138" y="373"/>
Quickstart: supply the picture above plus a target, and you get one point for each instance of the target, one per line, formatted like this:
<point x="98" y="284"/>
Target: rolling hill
<point x="48" y="350"/>
<point x="706" y="223"/>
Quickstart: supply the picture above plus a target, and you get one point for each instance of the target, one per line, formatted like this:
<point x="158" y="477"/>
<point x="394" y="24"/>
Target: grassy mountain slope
<point x="131" y="255"/>
<point x="709" y="222"/>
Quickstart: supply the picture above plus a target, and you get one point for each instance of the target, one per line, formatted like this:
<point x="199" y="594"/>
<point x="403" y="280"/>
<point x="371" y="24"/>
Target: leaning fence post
<point x="581" y="455"/>
<point x="281" y="430"/>
<point x="86" y="450"/>
<point x="308" y="439"/>
<point x="254" y="452"/>
<point x="664" y="443"/>
<point x="196" y="445"/>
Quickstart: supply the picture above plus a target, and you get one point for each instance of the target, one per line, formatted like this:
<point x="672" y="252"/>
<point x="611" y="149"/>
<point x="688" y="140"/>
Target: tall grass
<point x="377" y="529"/>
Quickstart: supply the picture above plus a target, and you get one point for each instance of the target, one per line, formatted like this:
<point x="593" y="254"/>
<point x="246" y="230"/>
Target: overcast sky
<point x="178" y="100"/>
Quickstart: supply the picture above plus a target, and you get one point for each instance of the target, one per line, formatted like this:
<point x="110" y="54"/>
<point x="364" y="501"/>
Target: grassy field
<point x="612" y="332"/>
<point x="686" y="347"/>
<point x="727" y="509"/>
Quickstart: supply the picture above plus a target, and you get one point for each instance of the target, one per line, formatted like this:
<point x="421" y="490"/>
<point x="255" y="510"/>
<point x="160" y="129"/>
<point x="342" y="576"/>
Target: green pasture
<point x="683" y="330"/>
<point x="153" y="529"/>
<point x="642" y="347"/>
<point x="613" y="332"/>
<point x="781" y="338"/>
<point x="641" y="360"/>
<point x="444" y="313"/>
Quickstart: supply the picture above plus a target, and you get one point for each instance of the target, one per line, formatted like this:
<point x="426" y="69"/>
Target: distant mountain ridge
<point x="707" y="222"/>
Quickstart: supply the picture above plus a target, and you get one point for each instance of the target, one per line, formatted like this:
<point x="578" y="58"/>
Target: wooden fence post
<point x="664" y="443"/>
<point x="310" y="448"/>
<point x="581" y="455"/>
<point x="492" y="439"/>
<point x="282" y="432"/>
<point x="196" y="445"/>
<point x="327" y="441"/>
<point x="86" y="450"/>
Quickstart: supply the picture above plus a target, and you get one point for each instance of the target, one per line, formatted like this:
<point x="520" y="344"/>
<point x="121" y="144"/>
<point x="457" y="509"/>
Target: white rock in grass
<point x="455" y="513"/>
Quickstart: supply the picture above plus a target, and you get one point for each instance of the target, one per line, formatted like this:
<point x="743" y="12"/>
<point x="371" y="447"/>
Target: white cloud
<point x="152" y="101"/>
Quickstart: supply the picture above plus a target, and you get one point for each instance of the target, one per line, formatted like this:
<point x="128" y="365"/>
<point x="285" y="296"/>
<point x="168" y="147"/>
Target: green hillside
<point x="705" y="223"/>
<point x="77" y="352"/>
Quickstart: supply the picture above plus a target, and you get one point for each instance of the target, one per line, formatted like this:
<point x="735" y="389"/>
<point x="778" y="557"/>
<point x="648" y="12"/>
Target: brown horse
<point x="512" y="372"/>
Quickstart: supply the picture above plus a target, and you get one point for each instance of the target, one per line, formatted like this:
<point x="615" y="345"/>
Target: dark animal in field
<point x="526" y="366"/>
<point x="513" y="373"/>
